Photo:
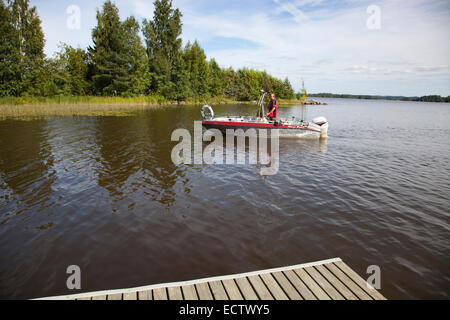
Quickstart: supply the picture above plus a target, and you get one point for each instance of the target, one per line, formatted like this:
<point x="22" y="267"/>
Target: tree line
<point x="120" y="62"/>
<point x="432" y="98"/>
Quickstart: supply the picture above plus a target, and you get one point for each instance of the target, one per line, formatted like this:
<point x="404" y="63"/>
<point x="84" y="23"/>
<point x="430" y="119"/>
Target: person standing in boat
<point x="273" y="107"/>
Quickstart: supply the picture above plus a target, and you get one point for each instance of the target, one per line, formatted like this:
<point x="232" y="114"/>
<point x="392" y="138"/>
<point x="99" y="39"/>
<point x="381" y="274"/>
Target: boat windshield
<point x="261" y="109"/>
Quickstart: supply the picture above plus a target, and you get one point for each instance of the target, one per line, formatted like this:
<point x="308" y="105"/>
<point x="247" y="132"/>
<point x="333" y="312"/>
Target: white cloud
<point x="412" y="33"/>
<point x="141" y="8"/>
<point x="326" y="43"/>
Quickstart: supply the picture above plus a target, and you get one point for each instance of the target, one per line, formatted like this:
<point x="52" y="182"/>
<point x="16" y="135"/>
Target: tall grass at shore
<point x="58" y="110"/>
<point x="99" y="100"/>
<point x="38" y="107"/>
<point x="74" y="100"/>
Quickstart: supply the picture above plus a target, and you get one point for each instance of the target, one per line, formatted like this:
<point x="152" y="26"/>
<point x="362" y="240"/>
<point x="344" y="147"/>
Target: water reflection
<point x="26" y="162"/>
<point x="135" y="157"/>
<point x="289" y="147"/>
<point x="161" y="174"/>
<point x="121" y="155"/>
<point x="259" y="151"/>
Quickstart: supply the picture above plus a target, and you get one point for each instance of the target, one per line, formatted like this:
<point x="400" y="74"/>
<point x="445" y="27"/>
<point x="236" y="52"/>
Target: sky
<point x="385" y="47"/>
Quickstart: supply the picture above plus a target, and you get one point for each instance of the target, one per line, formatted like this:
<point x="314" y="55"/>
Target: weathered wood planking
<point x="324" y="280"/>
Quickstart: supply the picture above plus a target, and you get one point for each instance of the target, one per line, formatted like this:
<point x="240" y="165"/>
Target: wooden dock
<point x="324" y="280"/>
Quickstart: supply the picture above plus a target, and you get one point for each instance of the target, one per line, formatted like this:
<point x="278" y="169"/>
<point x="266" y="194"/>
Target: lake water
<point x="102" y="193"/>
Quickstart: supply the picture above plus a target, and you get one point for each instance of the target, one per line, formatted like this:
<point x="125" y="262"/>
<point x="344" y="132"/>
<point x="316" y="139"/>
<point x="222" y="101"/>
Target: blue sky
<point x="332" y="45"/>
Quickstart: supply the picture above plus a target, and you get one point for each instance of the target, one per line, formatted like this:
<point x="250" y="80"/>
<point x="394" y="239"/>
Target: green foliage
<point x="109" y="54"/>
<point x="288" y="91"/>
<point x="21" y="49"/>
<point x="216" y="81"/>
<point x="118" y="63"/>
<point x="434" y="98"/>
<point x="245" y="84"/>
<point x="162" y="37"/>
<point x="197" y="69"/>
<point x="70" y="71"/>
<point x="137" y="58"/>
<point x="9" y="57"/>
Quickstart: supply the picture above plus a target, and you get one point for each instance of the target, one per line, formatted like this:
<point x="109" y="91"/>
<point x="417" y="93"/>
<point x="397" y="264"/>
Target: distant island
<point x="432" y="98"/>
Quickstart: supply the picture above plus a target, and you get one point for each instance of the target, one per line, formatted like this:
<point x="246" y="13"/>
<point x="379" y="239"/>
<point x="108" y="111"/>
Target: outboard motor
<point x="323" y="123"/>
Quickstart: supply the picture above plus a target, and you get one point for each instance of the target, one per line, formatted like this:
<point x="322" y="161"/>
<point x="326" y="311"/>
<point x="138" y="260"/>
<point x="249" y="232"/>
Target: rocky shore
<point x="315" y="103"/>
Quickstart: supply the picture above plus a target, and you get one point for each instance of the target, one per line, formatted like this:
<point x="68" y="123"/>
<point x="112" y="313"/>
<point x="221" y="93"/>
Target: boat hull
<point x="284" y="130"/>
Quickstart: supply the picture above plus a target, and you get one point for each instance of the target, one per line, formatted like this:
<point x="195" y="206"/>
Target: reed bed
<point x="56" y="110"/>
<point x="39" y="107"/>
<point x="74" y="100"/>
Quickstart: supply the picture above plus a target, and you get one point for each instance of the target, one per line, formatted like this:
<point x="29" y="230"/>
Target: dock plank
<point x="175" y="293"/>
<point x="145" y="295"/>
<point x="116" y="296"/>
<point x="246" y="289"/>
<point x="273" y="286"/>
<point x="349" y="283"/>
<point x="218" y="290"/>
<point x="329" y="279"/>
<point x="360" y="281"/>
<point x="337" y="283"/>
<point x="299" y="285"/>
<point x="204" y="293"/>
<point x="160" y="294"/>
<point x="312" y="285"/>
<point x="287" y="286"/>
<point x="232" y="289"/>
<point x="189" y="292"/>
<point x="260" y="288"/>
<point x="324" y="284"/>
<point x="130" y="296"/>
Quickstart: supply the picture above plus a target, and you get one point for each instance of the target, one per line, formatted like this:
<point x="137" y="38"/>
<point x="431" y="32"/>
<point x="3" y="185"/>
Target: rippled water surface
<point x="102" y="193"/>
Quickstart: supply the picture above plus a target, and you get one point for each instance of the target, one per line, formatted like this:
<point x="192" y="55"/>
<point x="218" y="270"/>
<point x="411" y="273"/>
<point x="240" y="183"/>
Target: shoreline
<point x="432" y="98"/>
<point x="101" y="106"/>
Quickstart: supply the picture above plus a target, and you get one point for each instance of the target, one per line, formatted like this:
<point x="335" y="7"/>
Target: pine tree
<point x="288" y="92"/>
<point x="162" y="38"/>
<point x="197" y="67"/>
<point x="109" y="54"/>
<point x="138" y="62"/>
<point x="232" y="83"/>
<point x="180" y="77"/>
<point x="216" y="83"/>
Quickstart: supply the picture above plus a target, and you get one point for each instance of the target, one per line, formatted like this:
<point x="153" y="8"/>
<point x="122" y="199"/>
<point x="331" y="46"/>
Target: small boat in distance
<point x="317" y="128"/>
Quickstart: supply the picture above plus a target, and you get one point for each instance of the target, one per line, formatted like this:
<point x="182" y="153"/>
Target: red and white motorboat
<point x="317" y="128"/>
